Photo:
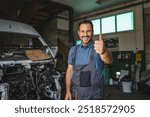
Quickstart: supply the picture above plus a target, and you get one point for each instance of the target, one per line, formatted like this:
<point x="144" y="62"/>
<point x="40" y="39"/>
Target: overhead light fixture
<point x="98" y="1"/>
<point x="101" y="1"/>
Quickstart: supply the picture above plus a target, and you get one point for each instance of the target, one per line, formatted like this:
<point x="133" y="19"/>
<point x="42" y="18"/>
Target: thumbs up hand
<point x="99" y="45"/>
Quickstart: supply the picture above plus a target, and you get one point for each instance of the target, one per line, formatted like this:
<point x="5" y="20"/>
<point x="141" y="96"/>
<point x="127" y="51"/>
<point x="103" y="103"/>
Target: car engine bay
<point x="27" y="67"/>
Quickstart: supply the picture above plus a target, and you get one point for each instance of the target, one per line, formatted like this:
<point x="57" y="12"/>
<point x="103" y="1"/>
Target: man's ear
<point x="78" y="32"/>
<point x="92" y="32"/>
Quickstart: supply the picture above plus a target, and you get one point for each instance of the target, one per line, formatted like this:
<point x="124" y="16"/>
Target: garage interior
<point x="57" y="20"/>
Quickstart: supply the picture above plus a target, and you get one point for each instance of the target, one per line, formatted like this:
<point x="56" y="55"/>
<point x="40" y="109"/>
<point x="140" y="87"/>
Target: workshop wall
<point x="147" y="34"/>
<point x="56" y="28"/>
<point x="128" y="40"/>
<point x="123" y="60"/>
<point x="49" y="32"/>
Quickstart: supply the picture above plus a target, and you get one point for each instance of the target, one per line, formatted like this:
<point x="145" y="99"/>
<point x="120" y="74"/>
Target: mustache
<point x="86" y="36"/>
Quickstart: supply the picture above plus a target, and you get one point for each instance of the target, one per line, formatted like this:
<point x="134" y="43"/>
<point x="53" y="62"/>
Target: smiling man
<point x="84" y="79"/>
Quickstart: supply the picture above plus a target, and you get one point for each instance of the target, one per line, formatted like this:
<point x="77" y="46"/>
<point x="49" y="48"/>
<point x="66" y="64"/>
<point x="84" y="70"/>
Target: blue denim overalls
<point x="86" y="82"/>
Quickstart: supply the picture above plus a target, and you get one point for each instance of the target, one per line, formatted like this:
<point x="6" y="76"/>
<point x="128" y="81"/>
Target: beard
<point x="86" y="40"/>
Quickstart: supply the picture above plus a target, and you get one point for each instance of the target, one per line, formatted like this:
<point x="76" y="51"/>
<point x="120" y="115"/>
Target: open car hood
<point x="13" y="27"/>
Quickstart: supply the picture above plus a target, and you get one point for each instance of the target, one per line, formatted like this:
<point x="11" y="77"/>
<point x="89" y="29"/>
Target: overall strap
<point x="74" y="54"/>
<point x="92" y="53"/>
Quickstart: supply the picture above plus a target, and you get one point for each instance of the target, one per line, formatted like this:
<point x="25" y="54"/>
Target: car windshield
<point x="13" y="46"/>
<point x="11" y="42"/>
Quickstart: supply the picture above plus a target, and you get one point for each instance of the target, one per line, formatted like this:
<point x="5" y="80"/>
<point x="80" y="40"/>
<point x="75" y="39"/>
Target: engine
<point x="35" y="81"/>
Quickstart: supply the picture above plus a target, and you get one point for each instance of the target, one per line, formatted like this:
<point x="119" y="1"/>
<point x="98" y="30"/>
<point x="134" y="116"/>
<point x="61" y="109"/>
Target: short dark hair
<point x="85" y="22"/>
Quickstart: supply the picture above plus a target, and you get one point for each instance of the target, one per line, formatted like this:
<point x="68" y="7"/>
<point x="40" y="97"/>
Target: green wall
<point x="120" y="64"/>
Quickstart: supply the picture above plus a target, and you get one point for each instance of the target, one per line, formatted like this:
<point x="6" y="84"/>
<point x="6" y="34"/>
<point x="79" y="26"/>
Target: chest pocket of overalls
<point x="85" y="79"/>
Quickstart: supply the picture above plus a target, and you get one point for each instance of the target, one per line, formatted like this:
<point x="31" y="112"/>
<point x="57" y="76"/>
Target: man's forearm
<point x="68" y="77"/>
<point x="68" y="83"/>
<point x="106" y="57"/>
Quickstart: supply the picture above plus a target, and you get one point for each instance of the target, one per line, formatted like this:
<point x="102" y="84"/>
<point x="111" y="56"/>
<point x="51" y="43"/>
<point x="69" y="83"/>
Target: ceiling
<point x="85" y="6"/>
<point x="37" y="12"/>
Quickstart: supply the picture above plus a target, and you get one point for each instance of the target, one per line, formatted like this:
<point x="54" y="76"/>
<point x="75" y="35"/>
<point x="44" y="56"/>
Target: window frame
<point x="115" y="21"/>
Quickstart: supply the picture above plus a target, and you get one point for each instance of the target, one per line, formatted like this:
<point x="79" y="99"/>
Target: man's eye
<point x="89" y="31"/>
<point x="82" y="31"/>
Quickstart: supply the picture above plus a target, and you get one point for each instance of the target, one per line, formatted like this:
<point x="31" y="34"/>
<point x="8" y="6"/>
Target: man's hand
<point x="68" y="96"/>
<point x="99" y="45"/>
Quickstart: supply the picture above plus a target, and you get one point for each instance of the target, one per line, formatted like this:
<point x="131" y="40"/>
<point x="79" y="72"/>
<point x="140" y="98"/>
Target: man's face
<point x="85" y="33"/>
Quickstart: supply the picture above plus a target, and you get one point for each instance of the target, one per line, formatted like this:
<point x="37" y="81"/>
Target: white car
<point x="27" y="64"/>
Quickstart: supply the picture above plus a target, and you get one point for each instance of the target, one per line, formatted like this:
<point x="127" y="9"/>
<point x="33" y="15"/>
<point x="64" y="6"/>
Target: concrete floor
<point x="116" y="93"/>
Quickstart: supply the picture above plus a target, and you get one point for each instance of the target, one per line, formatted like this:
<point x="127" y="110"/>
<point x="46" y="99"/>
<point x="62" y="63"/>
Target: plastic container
<point x="110" y="81"/>
<point x="126" y="87"/>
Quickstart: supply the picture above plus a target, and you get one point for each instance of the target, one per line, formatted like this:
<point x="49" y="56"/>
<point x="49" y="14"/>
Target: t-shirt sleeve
<point x="70" y="55"/>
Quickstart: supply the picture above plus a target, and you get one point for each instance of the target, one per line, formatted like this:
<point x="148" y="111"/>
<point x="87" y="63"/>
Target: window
<point x="115" y="23"/>
<point x="108" y="24"/>
<point x="96" y="26"/>
<point x="125" y="22"/>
